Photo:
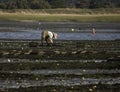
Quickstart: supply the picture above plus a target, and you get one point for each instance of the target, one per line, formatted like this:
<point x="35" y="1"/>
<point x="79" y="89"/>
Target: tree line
<point x="51" y="4"/>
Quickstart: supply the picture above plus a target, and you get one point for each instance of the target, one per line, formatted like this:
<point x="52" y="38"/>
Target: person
<point x="93" y="31"/>
<point x="48" y="36"/>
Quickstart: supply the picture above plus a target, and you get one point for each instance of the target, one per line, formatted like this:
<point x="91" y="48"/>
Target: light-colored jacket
<point x="48" y="36"/>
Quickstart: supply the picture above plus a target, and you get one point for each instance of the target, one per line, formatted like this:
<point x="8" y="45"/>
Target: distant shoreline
<point x="62" y="15"/>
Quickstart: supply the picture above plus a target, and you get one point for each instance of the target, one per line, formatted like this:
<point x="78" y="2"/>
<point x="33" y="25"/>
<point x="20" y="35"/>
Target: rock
<point x="41" y="52"/>
<point x="84" y="51"/>
<point x="33" y="44"/>
<point x="27" y="53"/>
<point x="9" y="60"/>
<point x="58" y="64"/>
<point x="94" y="87"/>
<point x="74" y="52"/>
<point x="118" y="56"/>
<point x="34" y="53"/>
<point x="18" y="53"/>
<point x="94" y="52"/>
<point x="57" y="52"/>
<point x="90" y="90"/>
<point x="63" y="52"/>
<point x="5" y="53"/>
<point x="83" y="78"/>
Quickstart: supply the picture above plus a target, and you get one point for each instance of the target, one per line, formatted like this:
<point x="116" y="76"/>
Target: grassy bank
<point x="64" y="11"/>
<point x="62" y="17"/>
<point x="76" y="15"/>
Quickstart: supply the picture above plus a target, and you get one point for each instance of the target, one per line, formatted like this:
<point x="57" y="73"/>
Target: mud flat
<point x="61" y="50"/>
<point x="57" y="25"/>
<point x="67" y="66"/>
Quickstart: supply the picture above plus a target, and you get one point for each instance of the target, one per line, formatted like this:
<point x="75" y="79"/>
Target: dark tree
<point x="22" y="4"/>
<point x="3" y="6"/>
<point x="44" y="4"/>
<point x="93" y="4"/>
<point x="58" y="3"/>
<point x="82" y="4"/>
<point x="39" y="4"/>
<point x="12" y="4"/>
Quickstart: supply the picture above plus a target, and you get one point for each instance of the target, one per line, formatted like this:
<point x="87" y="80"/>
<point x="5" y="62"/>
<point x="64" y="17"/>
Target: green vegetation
<point x="62" y="17"/>
<point x="77" y="15"/>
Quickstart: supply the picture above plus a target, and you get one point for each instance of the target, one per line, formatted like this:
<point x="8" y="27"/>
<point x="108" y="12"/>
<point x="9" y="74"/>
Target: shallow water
<point x="101" y="34"/>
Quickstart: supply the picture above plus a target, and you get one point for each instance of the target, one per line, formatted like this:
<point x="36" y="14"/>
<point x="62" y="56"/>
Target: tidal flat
<point x="71" y="65"/>
<point x="66" y="66"/>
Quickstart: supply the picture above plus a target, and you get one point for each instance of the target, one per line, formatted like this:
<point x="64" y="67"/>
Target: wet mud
<point x="67" y="66"/>
<point x="57" y="25"/>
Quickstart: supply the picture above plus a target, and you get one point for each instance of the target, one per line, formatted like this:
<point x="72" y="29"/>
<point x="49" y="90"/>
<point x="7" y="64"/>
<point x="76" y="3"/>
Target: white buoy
<point x="73" y="29"/>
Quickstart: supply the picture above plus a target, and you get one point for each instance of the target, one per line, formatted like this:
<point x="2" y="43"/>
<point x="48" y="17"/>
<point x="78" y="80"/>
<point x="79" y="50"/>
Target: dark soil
<point x="67" y="66"/>
<point x="66" y="62"/>
<point x="61" y="50"/>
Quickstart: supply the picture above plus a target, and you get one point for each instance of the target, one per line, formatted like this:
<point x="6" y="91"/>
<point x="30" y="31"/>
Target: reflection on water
<point x="82" y="35"/>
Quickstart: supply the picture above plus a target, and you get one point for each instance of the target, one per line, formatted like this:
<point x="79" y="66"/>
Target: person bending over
<point x="48" y="36"/>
